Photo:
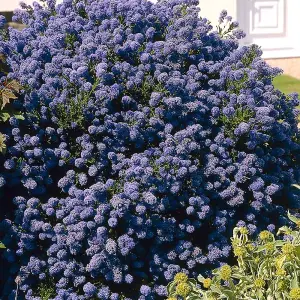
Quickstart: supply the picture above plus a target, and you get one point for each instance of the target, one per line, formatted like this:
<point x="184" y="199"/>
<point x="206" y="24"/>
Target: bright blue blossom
<point x="2" y="21"/>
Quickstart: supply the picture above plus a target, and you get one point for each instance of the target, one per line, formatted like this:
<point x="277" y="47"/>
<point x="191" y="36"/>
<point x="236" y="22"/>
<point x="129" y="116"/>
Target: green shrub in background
<point x="267" y="269"/>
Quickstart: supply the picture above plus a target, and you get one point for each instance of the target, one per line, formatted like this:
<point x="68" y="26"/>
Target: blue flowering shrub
<point x="147" y="138"/>
<point x="267" y="268"/>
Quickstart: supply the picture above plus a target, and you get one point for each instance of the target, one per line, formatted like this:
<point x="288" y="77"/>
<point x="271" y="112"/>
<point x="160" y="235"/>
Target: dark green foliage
<point x="73" y="110"/>
<point x="230" y="123"/>
<point x="46" y="289"/>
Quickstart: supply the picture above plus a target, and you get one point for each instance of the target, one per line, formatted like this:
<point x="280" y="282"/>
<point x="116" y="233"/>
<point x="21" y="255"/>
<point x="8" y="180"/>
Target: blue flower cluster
<point x="147" y="137"/>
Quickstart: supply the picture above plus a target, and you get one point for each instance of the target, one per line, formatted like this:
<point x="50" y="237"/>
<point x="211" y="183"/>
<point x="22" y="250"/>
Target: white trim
<point x="288" y="53"/>
<point x="234" y="12"/>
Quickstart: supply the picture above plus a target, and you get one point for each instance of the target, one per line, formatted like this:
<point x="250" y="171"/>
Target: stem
<point x="16" y="297"/>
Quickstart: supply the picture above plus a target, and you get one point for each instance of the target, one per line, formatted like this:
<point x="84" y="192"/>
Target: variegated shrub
<point x="267" y="269"/>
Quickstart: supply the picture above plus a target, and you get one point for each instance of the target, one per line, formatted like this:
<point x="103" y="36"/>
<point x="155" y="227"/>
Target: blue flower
<point x="89" y="289"/>
<point x="2" y="21"/>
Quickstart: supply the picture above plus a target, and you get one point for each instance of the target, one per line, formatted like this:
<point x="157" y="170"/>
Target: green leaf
<point x="280" y="261"/>
<point x="192" y="281"/>
<point x="239" y="276"/>
<point x="236" y="231"/>
<point x="4" y="116"/>
<point x="260" y="248"/>
<point x="216" y="289"/>
<point x="279" y="243"/>
<point x="284" y="230"/>
<point x="244" y="285"/>
<point x="193" y="297"/>
<point x="260" y="295"/>
<point x="19" y="117"/>
<point x="171" y="287"/>
<point x="229" y="294"/>
<point x="262" y="267"/>
<point x="293" y="218"/>
<point x="3" y="150"/>
<point x="294" y="282"/>
<point x="200" y="278"/>
<point x="2" y="246"/>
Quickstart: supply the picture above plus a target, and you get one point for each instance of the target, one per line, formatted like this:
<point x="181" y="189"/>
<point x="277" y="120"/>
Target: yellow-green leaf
<point x="14" y="85"/>
<point x="6" y="96"/>
<point x="293" y="218"/>
<point x="294" y="282"/>
<point x="4" y="116"/>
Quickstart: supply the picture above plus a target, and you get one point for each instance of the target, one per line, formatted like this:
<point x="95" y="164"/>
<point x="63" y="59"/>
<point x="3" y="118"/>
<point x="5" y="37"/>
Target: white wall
<point x="211" y="9"/>
<point x="10" y="5"/>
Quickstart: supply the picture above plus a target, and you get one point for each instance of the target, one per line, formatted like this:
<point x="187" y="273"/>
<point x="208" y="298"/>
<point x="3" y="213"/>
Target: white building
<point x="272" y="24"/>
<point x="10" y="5"/>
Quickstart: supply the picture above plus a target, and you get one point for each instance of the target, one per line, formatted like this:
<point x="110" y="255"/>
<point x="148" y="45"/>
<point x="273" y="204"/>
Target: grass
<point x="287" y="84"/>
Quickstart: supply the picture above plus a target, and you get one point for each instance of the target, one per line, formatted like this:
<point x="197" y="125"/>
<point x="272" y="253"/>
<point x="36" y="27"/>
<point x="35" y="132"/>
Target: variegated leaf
<point x="6" y="96"/>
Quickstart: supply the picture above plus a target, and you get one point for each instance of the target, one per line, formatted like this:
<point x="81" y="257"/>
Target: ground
<point x="287" y="84"/>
